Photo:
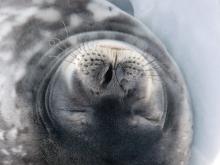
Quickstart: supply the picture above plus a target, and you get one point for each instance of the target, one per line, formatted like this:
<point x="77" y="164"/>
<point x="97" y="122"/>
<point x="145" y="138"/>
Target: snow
<point x="190" y="29"/>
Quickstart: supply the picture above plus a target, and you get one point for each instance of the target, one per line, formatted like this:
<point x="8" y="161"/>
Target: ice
<point x="190" y="29"/>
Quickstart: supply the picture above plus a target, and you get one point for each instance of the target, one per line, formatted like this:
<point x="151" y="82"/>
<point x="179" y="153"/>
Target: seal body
<point x="85" y="83"/>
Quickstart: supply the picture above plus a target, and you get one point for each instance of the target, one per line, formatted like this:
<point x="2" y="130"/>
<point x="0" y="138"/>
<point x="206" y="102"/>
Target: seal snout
<point x="112" y="69"/>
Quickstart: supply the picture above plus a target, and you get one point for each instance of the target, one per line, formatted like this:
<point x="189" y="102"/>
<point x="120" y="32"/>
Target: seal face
<point x="108" y="95"/>
<point x="99" y="86"/>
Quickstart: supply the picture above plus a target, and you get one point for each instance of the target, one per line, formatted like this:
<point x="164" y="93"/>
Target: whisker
<point x="158" y="67"/>
<point x="65" y="27"/>
<point x="71" y="62"/>
<point x="53" y="43"/>
<point x="153" y="75"/>
<point x="156" y="79"/>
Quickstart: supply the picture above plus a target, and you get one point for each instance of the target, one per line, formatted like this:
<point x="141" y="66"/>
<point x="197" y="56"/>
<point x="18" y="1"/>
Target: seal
<point x="97" y="87"/>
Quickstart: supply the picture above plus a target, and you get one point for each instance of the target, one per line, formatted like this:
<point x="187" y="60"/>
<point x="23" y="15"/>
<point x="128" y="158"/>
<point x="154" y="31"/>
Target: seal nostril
<point x="107" y="76"/>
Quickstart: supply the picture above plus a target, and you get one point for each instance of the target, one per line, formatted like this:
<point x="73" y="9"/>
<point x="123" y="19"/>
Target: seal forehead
<point x="101" y="12"/>
<point x="49" y="15"/>
<point x="75" y="20"/>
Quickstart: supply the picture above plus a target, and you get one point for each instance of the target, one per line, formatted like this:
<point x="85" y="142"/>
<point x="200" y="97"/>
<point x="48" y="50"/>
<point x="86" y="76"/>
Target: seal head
<point x="107" y="95"/>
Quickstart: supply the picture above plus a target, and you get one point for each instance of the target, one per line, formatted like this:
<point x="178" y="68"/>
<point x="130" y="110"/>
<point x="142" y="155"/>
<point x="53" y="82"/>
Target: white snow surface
<point x="190" y="29"/>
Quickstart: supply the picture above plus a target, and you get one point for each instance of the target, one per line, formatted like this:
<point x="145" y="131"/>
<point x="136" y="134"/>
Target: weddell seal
<point x="83" y="82"/>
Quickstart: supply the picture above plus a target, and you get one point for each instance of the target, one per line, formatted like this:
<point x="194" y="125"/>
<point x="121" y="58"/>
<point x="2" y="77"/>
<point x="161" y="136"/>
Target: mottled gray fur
<point x="36" y="36"/>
